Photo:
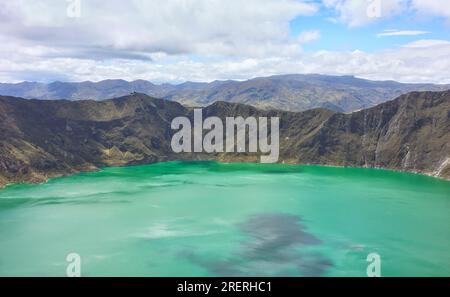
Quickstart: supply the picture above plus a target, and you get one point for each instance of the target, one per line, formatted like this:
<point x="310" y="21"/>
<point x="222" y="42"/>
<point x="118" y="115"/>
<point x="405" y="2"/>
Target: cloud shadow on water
<point x="275" y="245"/>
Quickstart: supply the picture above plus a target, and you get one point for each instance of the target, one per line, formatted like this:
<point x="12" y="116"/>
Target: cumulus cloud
<point x="440" y="8"/>
<point x="252" y="27"/>
<point x="197" y="40"/>
<point x="420" y="61"/>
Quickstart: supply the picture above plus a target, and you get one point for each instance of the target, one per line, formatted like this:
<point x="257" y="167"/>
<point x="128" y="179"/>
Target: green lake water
<point x="211" y="219"/>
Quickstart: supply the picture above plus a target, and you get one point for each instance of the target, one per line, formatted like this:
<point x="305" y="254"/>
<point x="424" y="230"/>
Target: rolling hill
<point x="284" y="92"/>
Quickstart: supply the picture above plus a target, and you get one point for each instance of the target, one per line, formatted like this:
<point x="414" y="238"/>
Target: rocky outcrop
<point x="43" y="139"/>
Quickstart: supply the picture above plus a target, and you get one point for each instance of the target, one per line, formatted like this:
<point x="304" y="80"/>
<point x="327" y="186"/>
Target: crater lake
<point x="214" y="219"/>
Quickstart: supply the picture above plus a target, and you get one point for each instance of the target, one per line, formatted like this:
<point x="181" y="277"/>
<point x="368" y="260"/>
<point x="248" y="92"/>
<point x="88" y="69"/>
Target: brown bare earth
<point x="43" y="139"/>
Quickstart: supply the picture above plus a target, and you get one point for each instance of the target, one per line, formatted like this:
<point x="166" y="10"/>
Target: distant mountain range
<point x="42" y="139"/>
<point x="284" y="92"/>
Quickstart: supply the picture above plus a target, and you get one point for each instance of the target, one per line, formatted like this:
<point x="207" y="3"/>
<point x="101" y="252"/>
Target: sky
<point x="205" y="40"/>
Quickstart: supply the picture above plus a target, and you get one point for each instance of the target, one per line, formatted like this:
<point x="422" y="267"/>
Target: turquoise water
<point x="211" y="219"/>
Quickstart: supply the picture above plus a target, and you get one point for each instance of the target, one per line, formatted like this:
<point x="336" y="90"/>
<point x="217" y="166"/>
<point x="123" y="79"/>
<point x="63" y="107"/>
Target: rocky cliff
<point x="43" y="139"/>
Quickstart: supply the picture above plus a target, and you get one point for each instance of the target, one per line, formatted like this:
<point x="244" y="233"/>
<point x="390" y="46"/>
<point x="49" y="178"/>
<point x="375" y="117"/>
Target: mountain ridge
<point x="295" y="92"/>
<point x="43" y="139"/>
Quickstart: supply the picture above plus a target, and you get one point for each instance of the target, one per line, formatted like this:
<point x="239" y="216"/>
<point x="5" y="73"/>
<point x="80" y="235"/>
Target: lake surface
<point x="211" y="219"/>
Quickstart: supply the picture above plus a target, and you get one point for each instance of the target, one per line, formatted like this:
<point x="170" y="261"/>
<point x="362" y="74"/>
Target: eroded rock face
<point x="42" y="139"/>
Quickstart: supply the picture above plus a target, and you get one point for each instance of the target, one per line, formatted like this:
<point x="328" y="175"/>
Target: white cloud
<point x="427" y="43"/>
<point x="422" y="61"/>
<point x="439" y="8"/>
<point x="110" y="28"/>
<point x="180" y="40"/>
<point x="401" y="33"/>
<point x="308" y="36"/>
<point x="362" y="12"/>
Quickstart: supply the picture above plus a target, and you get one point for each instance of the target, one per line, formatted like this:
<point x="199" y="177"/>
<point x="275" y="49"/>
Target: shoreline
<point x="60" y="175"/>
